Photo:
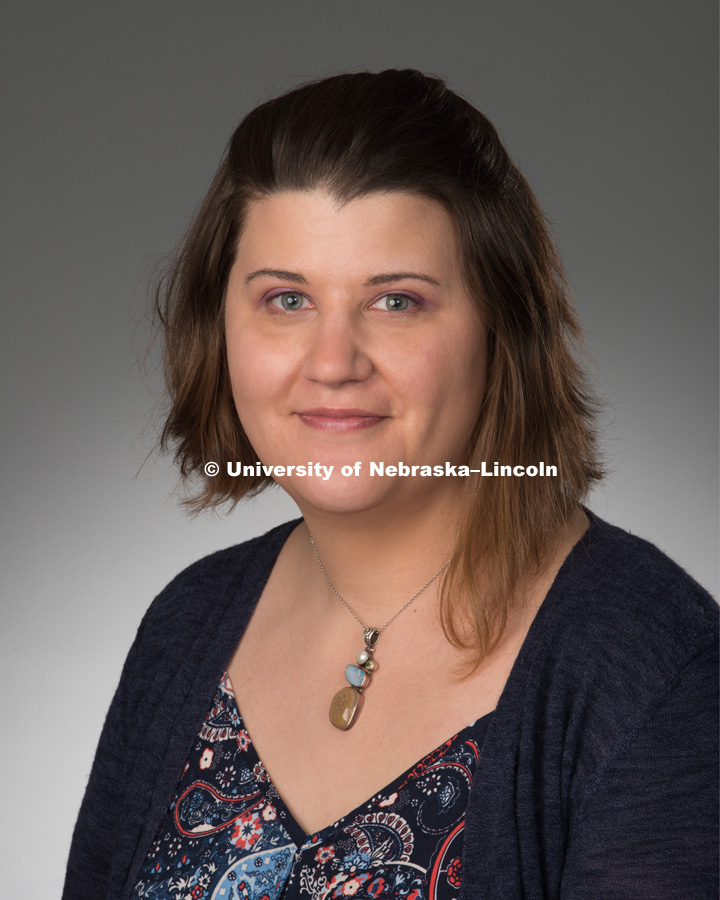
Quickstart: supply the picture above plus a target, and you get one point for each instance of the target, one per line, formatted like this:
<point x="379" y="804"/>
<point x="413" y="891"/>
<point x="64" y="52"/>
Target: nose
<point x="335" y="353"/>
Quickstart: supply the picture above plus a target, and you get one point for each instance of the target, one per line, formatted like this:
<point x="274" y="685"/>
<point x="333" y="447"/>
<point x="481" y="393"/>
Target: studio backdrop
<point x="115" y="117"/>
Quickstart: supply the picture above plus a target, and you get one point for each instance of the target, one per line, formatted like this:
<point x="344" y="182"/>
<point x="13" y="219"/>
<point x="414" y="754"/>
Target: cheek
<point x="472" y="370"/>
<point x="463" y="374"/>
<point x="250" y="380"/>
<point x="451" y="374"/>
<point x="255" y="369"/>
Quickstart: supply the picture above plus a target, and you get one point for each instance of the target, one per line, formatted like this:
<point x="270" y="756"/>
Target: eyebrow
<point x="276" y="273"/>
<point x="398" y="276"/>
<point x="296" y="278"/>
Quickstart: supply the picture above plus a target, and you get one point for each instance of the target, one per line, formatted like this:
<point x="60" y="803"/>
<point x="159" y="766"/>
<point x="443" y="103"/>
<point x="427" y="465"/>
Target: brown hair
<point x="400" y="130"/>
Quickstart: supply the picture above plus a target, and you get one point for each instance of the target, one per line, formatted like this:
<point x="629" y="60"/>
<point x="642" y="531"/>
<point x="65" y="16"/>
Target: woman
<point x="369" y="311"/>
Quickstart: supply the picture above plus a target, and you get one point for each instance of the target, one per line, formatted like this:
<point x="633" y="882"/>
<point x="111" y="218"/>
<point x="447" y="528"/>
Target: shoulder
<point x="233" y="576"/>
<point x="622" y="627"/>
<point x="245" y="565"/>
<point x="617" y="585"/>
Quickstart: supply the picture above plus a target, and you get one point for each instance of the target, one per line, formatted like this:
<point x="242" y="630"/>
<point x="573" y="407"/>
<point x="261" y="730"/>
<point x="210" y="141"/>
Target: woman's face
<point x="352" y="339"/>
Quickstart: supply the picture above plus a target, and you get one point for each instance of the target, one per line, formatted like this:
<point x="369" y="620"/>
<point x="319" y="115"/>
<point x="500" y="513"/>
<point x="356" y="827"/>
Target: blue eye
<point x="395" y="302"/>
<point x="289" y="301"/>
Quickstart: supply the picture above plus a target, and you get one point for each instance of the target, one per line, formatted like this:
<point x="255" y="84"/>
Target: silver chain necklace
<point x="347" y="702"/>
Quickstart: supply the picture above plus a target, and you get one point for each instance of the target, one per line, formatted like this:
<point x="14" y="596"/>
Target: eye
<point x="395" y="303"/>
<point x="290" y="301"/>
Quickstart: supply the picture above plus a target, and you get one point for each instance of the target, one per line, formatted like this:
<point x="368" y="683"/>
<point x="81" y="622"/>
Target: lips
<point x="340" y="421"/>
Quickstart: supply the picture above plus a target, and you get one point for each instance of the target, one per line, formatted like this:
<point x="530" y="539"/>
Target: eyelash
<point x="416" y="302"/>
<point x="276" y="296"/>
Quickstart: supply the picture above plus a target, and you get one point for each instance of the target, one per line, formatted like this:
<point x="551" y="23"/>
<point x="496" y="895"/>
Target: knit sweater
<point x="598" y="773"/>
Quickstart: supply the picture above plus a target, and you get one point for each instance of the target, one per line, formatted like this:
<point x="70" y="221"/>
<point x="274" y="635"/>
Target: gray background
<point x="114" y="119"/>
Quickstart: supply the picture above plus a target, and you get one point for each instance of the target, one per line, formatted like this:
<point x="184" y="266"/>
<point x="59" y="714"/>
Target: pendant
<point x="347" y="703"/>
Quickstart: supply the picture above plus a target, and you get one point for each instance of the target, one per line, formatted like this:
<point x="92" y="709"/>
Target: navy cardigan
<point x="598" y="774"/>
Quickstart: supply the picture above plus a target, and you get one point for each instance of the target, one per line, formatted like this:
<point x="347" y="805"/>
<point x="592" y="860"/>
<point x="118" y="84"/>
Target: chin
<point x="389" y="497"/>
<point x="342" y="495"/>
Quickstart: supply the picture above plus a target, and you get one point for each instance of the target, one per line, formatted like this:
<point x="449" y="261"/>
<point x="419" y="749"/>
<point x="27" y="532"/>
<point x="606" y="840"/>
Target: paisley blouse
<point x="227" y="834"/>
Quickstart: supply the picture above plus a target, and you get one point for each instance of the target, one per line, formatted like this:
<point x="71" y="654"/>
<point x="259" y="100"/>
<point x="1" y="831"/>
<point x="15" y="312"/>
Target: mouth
<point x="340" y="421"/>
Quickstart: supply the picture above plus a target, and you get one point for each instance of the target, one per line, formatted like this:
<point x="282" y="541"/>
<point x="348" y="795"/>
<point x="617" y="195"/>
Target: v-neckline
<point x="540" y="623"/>
<point x="297" y="833"/>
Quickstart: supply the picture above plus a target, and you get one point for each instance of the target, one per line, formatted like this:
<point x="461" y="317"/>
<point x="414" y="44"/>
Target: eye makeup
<point x="415" y="300"/>
<point x="282" y="306"/>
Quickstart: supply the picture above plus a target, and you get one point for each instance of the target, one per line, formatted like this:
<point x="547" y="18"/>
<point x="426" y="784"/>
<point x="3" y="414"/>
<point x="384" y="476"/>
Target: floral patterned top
<point x="228" y="835"/>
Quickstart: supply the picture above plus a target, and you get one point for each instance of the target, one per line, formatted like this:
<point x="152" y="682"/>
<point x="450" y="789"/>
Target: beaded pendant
<point x="347" y="703"/>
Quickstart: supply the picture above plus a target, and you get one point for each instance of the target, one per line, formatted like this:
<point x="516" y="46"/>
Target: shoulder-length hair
<point x="400" y="130"/>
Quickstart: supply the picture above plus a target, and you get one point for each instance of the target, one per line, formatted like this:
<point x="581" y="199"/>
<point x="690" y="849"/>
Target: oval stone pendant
<point x="345" y="706"/>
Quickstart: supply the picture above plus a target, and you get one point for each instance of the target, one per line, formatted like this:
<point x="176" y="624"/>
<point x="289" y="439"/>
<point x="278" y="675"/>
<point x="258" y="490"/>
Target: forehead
<point x="390" y="231"/>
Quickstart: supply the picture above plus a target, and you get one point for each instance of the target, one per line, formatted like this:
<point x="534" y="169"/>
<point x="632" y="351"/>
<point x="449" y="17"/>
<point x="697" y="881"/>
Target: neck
<point x="377" y="560"/>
